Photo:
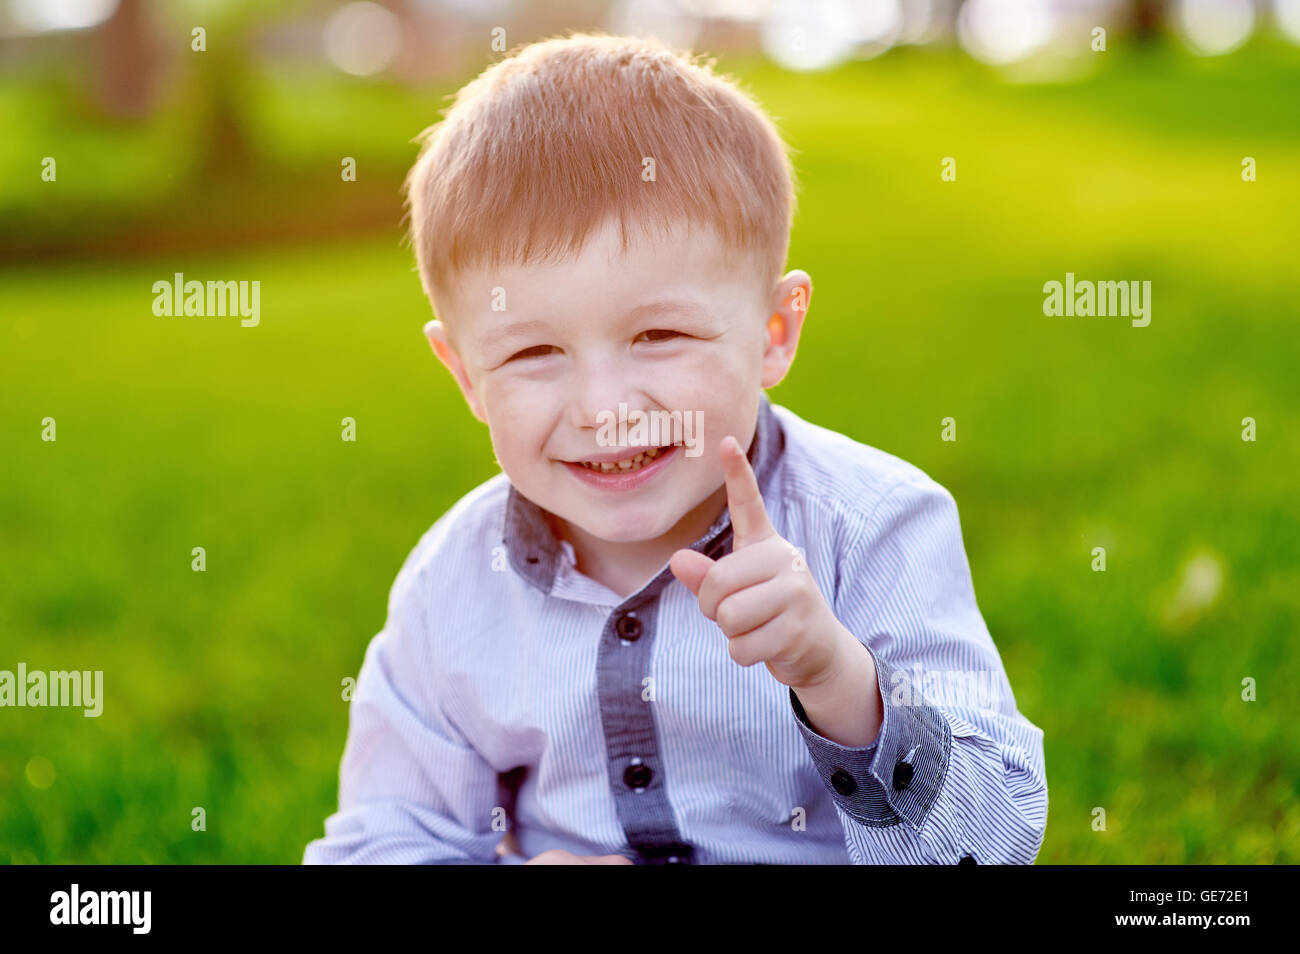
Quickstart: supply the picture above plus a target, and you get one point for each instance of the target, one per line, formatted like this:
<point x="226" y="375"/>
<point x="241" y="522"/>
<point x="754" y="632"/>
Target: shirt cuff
<point x="897" y="777"/>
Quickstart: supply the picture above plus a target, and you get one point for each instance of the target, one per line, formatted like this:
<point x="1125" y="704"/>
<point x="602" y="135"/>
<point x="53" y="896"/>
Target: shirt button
<point x="628" y="627"/>
<point x="637" y="776"/>
<point x="902" y="775"/>
<point x="967" y="860"/>
<point x="843" y="782"/>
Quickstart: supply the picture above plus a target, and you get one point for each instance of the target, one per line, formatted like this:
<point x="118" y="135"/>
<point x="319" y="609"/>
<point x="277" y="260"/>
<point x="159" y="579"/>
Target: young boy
<point x="570" y="655"/>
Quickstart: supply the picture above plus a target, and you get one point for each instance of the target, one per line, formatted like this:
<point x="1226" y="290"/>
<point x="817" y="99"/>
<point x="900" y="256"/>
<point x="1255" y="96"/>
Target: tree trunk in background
<point x="1147" y="17"/>
<point x="127" y="61"/>
<point x="225" y="148"/>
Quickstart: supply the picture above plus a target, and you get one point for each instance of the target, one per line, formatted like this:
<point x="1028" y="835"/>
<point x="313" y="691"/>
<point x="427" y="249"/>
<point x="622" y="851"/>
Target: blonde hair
<point x="541" y="148"/>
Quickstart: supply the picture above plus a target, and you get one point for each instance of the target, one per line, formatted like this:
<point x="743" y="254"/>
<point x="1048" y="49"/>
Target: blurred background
<point x="1106" y="139"/>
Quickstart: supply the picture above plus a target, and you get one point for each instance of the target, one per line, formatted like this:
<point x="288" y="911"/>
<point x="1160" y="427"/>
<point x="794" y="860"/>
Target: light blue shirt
<point x="509" y="691"/>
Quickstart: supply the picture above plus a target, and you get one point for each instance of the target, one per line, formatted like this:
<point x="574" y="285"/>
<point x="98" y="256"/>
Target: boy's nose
<point x="599" y="396"/>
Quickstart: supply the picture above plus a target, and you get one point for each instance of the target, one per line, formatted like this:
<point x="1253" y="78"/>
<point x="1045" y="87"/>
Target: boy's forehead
<point x="607" y="249"/>
<point x="651" y="272"/>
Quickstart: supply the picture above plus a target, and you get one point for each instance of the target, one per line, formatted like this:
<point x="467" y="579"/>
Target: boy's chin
<point x="626" y="528"/>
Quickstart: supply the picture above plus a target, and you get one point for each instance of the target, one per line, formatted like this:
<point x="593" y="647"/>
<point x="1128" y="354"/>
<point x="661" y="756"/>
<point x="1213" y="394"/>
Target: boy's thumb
<point x="690" y="566"/>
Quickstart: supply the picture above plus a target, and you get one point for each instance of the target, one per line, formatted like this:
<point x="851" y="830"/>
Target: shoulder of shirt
<point x="470" y="528"/>
<point x="830" y="470"/>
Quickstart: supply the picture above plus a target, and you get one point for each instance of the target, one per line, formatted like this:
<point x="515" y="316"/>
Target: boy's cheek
<point x="512" y="445"/>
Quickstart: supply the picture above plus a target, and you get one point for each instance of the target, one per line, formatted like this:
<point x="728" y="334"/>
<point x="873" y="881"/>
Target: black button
<point x="665" y="853"/>
<point x="967" y="860"/>
<point x="902" y="775"/>
<point x="628" y="627"/>
<point x="637" y="776"/>
<point x="843" y="782"/>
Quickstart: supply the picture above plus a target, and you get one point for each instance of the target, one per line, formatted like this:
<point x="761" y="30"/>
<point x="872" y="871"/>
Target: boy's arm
<point x="412" y="790"/>
<point x="956" y="772"/>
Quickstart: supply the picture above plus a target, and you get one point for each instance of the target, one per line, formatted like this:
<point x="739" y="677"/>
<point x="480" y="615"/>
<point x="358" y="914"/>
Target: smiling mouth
<point x="627" y="465"/>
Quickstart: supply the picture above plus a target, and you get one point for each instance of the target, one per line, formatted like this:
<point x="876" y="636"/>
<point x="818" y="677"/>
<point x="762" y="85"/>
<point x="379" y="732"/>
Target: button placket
<point x="631" y="740"/>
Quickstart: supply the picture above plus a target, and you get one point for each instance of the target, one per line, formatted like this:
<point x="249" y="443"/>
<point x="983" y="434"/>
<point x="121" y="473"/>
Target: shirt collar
<point x="535" y="552"/>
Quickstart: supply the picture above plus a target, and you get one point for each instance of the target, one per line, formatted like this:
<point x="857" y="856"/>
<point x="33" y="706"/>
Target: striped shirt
<point x="509" y="692"/>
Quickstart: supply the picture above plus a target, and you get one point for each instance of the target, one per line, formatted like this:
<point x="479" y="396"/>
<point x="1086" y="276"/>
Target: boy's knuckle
<point x="711" y="583"/>
<point x="725" y="614"/>
<point x="724" y="575"/>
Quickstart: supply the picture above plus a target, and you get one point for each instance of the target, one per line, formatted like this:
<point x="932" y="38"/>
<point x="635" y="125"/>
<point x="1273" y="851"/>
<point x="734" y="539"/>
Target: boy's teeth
<point x="628" y="463"/>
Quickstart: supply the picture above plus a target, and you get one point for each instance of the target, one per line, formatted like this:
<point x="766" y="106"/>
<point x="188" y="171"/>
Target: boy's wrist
<point x="846" y="706"/>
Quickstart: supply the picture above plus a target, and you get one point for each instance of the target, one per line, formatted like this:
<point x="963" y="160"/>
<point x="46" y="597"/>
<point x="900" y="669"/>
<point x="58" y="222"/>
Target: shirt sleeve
<point x="956" y="773"/>
<point x="412" y="790"/>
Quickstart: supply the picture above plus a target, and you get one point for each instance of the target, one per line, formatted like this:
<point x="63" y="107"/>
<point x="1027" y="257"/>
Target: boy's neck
<point x="626" y="567"/>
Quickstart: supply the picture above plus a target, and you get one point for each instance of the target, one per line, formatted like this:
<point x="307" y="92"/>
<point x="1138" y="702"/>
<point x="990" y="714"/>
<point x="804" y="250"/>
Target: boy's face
<point x="546" y="354"/>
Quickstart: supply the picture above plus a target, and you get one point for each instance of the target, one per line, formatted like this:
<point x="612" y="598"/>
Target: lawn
<point x="224" y="688"/>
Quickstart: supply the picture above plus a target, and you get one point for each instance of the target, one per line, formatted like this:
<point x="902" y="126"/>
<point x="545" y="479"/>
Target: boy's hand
<point x="558" y="856"/>
<point x="762" y="594"/>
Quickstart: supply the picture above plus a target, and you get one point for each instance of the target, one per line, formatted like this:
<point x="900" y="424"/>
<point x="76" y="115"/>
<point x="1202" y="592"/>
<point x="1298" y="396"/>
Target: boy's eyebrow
<point x="670" y="306"/>
<point x="517" y="330"/>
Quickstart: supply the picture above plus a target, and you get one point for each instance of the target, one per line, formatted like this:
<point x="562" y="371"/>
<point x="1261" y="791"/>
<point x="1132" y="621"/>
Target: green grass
<point x="224" y="688"/>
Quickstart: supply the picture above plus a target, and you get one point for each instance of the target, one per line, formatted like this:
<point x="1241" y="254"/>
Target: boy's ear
<point x="789" y="306"/>
<point x="442" y="347"/>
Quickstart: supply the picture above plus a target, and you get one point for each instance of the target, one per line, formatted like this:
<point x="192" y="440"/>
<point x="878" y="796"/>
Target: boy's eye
<point x="536" y="351"/>
<point x="658" y="334"/>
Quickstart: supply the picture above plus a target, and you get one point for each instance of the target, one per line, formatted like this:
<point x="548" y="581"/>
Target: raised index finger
<point x="749" y="523"/>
